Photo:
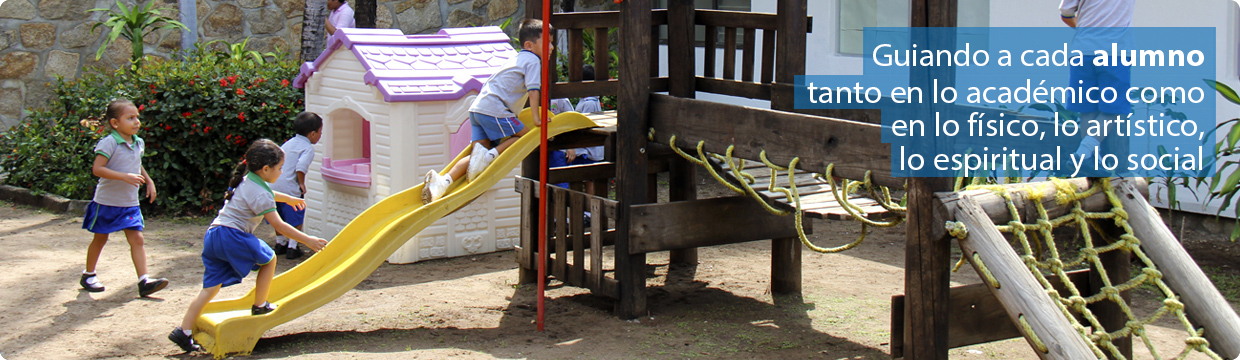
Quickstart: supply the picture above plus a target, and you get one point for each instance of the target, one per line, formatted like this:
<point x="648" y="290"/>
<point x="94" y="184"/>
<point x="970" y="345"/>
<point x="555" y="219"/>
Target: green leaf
<point x="1224" y="90"/>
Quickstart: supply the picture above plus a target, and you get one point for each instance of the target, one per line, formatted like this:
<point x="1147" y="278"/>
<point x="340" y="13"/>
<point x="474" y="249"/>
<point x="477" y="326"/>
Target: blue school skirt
<point x="229" y="254"/>
<point x="103" y="219"/>
<point x="290" y="216"/>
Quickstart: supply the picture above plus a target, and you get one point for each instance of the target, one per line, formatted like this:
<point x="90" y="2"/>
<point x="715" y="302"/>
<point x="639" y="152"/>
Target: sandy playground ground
<point x="470" y="307"/>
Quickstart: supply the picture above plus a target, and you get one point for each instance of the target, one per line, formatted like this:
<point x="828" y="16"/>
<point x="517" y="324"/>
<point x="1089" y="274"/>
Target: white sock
<point x="291" y="244"/>
<point x="1087" y="146"/>
<point x="91" y="273"/>
<point x="280" y="239"/>
<point x="187" y="332"/>
<point x="143" y="278"/>
<point x="493" y="152"/>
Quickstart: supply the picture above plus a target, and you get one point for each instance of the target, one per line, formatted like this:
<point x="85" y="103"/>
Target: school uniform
<point x="298" y="154"/>
<point x="230" y="250"/>
<point x="115" y="204"/>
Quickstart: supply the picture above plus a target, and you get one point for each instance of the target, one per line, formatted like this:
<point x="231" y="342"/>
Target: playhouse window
<point x="348" y="157"/>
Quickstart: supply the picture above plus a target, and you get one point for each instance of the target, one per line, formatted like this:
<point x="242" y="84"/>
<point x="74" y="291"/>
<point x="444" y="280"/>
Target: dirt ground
<point x="471" y="307"/>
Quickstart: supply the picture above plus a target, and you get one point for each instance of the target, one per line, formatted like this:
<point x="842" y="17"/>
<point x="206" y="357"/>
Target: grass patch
<point x="1228" y="284"/>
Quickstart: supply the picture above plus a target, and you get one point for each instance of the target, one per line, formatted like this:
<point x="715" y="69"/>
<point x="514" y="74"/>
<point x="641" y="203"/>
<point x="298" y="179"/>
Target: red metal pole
<point x="542" y="154"/>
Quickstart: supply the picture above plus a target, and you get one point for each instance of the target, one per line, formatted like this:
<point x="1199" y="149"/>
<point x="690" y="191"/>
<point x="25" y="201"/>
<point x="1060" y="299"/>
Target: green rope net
<point x="1033" y="237"/>
<point x="841" y="192"/>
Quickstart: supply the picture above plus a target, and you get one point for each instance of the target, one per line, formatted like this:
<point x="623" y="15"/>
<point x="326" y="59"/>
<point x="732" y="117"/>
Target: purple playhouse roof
<point x="443" y="66"/>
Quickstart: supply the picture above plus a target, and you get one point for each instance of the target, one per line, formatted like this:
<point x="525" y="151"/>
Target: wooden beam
<point x="1201" y="299"/>
<point x="996" y="207"/>
<point x="853" y="147"/>
<point x="633" y="120"/>
<point x="977" y="316"/>
<point x="689" y="224"/>
<point x="1019" y="292"/>
<point x="734" y="88"/>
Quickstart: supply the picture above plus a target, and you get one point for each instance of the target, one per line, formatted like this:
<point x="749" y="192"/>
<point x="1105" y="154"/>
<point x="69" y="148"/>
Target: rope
<point x="1037" y="238"/>
<point x="840" y="193"/>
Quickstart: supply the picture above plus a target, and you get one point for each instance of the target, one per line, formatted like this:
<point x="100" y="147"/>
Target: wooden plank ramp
<point x="817" y="200"/>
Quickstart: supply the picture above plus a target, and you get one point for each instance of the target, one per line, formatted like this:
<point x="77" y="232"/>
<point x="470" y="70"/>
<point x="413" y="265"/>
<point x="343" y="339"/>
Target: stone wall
<point x="42" y="39"/>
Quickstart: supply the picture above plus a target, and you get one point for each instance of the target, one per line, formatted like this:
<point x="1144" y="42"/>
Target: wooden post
<point x="1119" y="270"/>
<point x="682" y="186"/>
<point x="1018" y="291"/>
<point x="632" y="116"/>
<point x="680" y="48"/>
<point x="1201" y="299"/>
<point x="364" y="13"/>
<point x="682" y="178"/>
<point x="533" y="10"/>
<point x="786" y="265"/>
<point x="528" y="273"/>
<point x="790" y="47"/>
<point x="927" y="257"/>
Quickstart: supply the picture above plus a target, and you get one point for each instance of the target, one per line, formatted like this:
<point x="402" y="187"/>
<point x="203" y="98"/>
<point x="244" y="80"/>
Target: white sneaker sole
<point x="426" y="189"/>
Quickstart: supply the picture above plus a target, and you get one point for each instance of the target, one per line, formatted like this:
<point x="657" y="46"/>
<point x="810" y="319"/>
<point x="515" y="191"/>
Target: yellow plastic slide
<point x="226" y="326"/>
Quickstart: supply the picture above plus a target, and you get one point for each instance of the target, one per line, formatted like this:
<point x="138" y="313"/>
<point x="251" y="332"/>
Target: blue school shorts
<point x="1116" y="76"/>
<point x="485" y="127"/>
<point x="103" y="219"/>
<point x="229" y="254"/>
<point x="290" y="216"/>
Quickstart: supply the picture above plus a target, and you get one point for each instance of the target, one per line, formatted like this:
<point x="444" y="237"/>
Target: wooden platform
<point x="817" y="201"/>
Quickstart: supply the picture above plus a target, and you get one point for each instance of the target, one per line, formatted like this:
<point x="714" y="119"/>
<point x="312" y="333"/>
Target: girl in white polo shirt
<point x="118" y="164"/>
<point x="230" y="250"/>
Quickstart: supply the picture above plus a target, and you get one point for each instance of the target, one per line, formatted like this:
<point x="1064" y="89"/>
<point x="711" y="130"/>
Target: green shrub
<point x="198" y="115"/>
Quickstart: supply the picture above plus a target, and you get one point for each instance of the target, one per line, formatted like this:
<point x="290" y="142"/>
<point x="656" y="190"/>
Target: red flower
<point x="186" y="114"/>
<point x="286" y="111"/>
<point x="232" y="79"/>
<point x="199" y="109"/>
<point x="152" y="86"/>
<point x="191" y="82"/>
<point x="167" y="127"/>
<point x="141" y="107"/>
<point x="241" y="116"/>
<point x="206" y="129"/>
<point x="223" y="82"/>
<point x="283" y="82"/>
<point x="241" y="92"/>
<point x="229" y="137"/>
<point x="152" y="101"/>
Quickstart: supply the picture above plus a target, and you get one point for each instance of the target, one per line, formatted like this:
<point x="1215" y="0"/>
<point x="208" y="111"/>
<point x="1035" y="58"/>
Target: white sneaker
<point x="435" y="186"/>
<point x="479" y="158"/>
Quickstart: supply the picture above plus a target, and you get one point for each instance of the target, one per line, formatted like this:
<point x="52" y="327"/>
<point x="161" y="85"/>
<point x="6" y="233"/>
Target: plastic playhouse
<point x="395" y="106"/>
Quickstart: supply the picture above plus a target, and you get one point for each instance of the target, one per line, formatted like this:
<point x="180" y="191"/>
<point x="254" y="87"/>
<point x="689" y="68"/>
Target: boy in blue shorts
<point x="492" y="116"/>
<point x="299" y="153"/>
<point x="1099" y="23"/>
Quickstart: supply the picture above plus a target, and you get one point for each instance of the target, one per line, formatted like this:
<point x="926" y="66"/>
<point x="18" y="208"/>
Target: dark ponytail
<point x="262" y="152"/>
<point x="113" y="112"/>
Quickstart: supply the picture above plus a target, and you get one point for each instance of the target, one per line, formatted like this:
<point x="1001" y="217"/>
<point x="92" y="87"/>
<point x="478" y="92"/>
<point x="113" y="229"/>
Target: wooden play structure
<point x="653" y="133"/>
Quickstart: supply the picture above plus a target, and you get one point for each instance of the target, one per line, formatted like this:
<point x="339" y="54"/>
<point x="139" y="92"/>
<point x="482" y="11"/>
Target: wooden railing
<point x="747" y="24"/>
<point x="599" y="24"/>
<point x="575" y="253"/>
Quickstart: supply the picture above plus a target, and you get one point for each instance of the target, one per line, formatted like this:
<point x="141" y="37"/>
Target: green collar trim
<point x="258" y="180"/>
<point x="121" y="140"/>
